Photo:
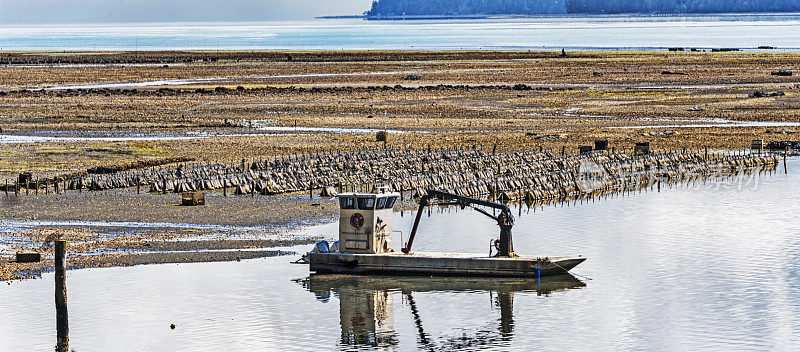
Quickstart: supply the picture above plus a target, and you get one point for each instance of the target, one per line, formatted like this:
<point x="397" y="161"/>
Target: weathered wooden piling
<point x="785" y="153"/>
<point x="62" y="320"/>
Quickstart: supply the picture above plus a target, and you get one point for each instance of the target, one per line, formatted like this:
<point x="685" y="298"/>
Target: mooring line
<point x="568" y="272"/>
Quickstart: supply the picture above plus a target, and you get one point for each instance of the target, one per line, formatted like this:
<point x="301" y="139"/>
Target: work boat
<point x="365" y="243"/>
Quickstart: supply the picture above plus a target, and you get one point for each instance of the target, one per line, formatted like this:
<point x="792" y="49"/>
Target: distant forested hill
<point x="681" y="6"/>
<point x="530" y="7"/>
<point x="465" y="7"/>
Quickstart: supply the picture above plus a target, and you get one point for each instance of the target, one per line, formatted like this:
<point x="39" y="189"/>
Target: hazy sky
<point x="103" y="11"/>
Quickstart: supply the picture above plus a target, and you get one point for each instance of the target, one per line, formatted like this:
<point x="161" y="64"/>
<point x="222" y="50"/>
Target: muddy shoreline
<point x="10" y="271"/>
<point x="97" y="250"/>
<point x="125" y="228"/>
<point x="269" y="214"/>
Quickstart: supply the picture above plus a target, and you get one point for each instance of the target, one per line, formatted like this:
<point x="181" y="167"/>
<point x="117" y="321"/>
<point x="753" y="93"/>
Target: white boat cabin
<point x="365" y="222"/>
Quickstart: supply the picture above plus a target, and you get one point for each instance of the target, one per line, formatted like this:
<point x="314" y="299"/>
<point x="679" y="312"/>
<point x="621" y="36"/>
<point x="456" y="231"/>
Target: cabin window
<point x="347" y="203"/>
<point x="390" y="202"/>
<point x="381" y="203"/>
<point x="366" y="203"/>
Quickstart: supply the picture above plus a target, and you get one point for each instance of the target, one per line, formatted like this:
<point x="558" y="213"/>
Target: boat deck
<point x="445" y="264"/>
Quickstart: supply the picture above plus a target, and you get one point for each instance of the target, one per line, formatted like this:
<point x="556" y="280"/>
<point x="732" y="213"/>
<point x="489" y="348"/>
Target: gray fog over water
<point x="699" y="266"/>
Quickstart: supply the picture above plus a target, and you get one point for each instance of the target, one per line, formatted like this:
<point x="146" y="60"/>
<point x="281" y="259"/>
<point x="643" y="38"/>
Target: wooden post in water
<point x="62" y="322"/>
<point x="785" y="170"/>
<point x="6" y="189"/>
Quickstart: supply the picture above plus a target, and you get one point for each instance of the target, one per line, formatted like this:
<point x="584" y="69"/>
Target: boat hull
<point x="440" y="264"/>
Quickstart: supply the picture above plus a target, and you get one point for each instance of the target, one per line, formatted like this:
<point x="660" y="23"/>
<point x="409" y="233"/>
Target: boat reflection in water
<point x="367" y="304"/>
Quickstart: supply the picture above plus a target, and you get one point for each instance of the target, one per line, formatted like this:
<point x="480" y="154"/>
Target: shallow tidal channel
<point x="708" y="265"/>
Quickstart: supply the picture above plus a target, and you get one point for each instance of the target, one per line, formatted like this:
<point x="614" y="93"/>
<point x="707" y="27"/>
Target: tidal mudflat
<point x="66" y="113"/>
<point x="257" y="104"/>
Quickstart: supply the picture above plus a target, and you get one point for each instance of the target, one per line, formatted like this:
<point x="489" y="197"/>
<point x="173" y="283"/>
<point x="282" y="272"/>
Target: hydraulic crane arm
<point x="505" y="220"/>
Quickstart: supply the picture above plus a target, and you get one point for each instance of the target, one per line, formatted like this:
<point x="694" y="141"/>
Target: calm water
<point x="706" y="266"/>
<point x="125" y="136"/>
<point x="593" y="32"/>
